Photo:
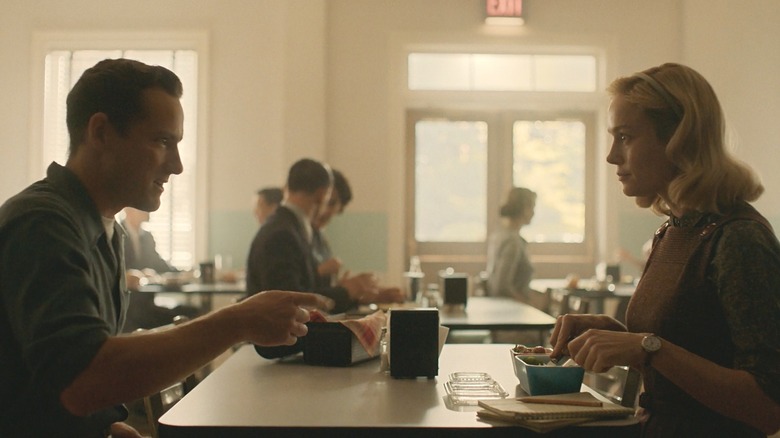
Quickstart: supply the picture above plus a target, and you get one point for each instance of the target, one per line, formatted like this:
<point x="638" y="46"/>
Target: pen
<point x="559" y="401"/>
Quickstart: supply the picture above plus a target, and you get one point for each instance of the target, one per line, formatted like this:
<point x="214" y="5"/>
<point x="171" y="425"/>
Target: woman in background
<point x="704" y="323"/>
<point x="509" y="269"/>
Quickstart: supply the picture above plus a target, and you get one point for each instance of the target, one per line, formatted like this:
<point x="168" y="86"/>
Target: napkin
<point x="367" y="330"/>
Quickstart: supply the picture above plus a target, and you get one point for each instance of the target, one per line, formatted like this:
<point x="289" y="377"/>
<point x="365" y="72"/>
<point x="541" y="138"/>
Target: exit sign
<point x="504" y="8"/>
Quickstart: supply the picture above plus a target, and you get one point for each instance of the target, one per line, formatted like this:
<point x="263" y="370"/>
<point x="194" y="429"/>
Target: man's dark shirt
<point x="62" y="294"/>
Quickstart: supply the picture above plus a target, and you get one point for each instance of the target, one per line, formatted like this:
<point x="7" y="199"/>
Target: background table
<point x="493" y="313"/>
<point x="252" y="396"/>
<point x="204" y="291"/>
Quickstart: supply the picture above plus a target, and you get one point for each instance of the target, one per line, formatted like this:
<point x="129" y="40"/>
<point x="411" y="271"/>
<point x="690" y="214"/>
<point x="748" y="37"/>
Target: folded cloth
<point x="368" y="330"/>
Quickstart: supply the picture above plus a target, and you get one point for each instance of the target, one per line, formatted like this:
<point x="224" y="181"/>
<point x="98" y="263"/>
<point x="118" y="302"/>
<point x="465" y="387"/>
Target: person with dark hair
<point x="703" y="325"/>
<point x="142" y="261"/>
<point x="281" y="255"/>
<point x="64" y="371"/>
<point x="509" y="268"/>
<point x="267" y="200"/>
<point x="329" y="265"/>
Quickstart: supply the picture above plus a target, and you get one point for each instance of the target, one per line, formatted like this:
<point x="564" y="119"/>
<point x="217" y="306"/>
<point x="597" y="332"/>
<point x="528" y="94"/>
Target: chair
<point x="620" y="384"/>
<point x="155" y="405"/>
<point x="563" y="301"/>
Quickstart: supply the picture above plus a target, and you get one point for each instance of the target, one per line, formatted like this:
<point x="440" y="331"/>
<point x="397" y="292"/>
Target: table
<point x="252" y="396"/>
<point x="205" y="291"/>
<point x="494" y="313"/>
<point x="588" y="291"/>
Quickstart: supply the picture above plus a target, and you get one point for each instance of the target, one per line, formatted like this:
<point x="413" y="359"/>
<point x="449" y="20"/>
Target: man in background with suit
<point x="267" y="200"/>
<point x="142" y="261"/>
<point x="328" y="265"/>
<point x="281" y="255"/>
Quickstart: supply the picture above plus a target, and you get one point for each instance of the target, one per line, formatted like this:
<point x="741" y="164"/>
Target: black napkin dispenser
<point x="414" y="343"/>
<point x="332" y="344"/>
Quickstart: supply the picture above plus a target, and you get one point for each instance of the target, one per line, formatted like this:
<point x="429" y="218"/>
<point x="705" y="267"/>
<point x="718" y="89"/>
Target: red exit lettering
<point x="504" y="8"/>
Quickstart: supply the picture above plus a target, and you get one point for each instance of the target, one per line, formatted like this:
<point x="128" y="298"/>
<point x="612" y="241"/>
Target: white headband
<point x="665" y="94"/>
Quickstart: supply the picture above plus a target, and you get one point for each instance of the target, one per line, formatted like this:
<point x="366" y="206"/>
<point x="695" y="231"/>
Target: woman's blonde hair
<point x="688" y="117"/>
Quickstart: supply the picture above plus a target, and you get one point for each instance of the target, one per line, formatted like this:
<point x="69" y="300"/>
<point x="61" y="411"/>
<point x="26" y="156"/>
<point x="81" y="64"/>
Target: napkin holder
<point x="414" y="343"/>
<point x="332" y="344"/>
<point x="456" y="289"/>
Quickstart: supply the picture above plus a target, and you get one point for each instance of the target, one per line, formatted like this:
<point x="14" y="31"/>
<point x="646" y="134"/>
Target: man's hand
<point x="329" y="267"/>
<point x="276" y="317"/>
<point x="390" y="295"/>
<point x="124" y="430"/>
<point x="362" y="287"/>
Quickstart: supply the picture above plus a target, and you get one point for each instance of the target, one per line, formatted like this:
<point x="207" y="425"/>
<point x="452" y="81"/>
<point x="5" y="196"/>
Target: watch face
<point x="651" y="343"/>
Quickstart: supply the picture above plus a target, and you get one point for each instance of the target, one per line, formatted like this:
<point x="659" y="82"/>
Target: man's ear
<point x="321" y="195"/>
<point x="98" y="130"/>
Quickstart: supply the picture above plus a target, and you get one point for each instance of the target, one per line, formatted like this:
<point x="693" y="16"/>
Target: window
<point x="173" y="225"/>
<point x="451" y="181"/>
<point x="501" y="72"/>
<point x="467" y="146"/>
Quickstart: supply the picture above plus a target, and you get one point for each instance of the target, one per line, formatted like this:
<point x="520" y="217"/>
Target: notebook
<point x="539" y="426"/>
<point x="581" y="405"/>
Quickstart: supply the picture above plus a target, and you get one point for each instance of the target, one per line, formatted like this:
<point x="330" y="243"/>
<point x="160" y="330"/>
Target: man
<point x="281" y="253"/>
<point x="140" y="247"/>
<point x="143" y="261"/>
<point x="329" y="265"/>
<point x="266" y="202"/>
<point x="63" y="369"/>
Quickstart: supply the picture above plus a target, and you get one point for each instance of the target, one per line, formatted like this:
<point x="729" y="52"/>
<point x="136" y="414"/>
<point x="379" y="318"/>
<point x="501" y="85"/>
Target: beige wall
<point x="293" y="78"/>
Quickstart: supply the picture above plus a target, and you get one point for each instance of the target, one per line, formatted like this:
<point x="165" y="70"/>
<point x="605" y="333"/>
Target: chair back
<point x="620" y="384"/>
<point x="155" y="405"/>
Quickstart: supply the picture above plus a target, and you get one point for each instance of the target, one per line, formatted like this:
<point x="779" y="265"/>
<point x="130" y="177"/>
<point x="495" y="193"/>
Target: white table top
<point x="197" y="288"/>
<point x="493" y="313"/>
<point x="248" y="394"/>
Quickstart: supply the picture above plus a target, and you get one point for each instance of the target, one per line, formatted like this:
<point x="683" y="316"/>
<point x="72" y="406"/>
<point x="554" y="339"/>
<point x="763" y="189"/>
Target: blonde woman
<point x="704" y="323"/>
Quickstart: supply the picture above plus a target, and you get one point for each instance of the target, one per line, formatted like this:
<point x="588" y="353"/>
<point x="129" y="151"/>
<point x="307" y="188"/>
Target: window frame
<point x="472" y="256"/>
<point x="46" y="41"/>
<point x="551" y="260"/>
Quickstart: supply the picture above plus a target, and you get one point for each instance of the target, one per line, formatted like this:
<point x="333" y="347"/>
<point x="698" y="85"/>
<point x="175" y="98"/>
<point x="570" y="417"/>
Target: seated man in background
<point x="281" y="255"/>
<point x="328" y="265"/>
<point x="267" y="200"/>
<point x="143" y="262"/>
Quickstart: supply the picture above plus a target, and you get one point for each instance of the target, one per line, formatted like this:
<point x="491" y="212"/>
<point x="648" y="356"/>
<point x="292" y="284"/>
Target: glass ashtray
<point x="467" y="388"/>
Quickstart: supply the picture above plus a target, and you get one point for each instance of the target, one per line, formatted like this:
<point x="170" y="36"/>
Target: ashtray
<point x="467" y="388"/>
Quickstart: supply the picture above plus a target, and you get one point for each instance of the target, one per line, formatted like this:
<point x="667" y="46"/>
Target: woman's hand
<point x="568" y="327"/>
<point x="599" y="350"/>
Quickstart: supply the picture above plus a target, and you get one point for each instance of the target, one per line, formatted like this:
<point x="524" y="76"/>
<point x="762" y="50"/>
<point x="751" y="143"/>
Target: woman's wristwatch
<point x="651" y="344"/>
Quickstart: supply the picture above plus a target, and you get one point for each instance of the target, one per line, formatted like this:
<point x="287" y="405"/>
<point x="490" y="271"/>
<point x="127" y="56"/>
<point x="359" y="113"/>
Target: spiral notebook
<point x="558" y="407"/>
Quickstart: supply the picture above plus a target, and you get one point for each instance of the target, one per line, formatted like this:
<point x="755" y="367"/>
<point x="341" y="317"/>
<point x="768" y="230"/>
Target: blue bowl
<point x="537" y="378"/>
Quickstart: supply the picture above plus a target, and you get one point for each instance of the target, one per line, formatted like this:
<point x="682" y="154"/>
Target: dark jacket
<point x="280" y="258"/>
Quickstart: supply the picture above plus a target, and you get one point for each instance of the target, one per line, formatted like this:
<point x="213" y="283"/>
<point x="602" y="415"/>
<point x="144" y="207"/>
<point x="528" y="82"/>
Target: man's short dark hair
<point x="272" y="195"/>
<point x="308" y="176"/>
<point x="341" y="186"/>
<point x="115" y="87"/>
